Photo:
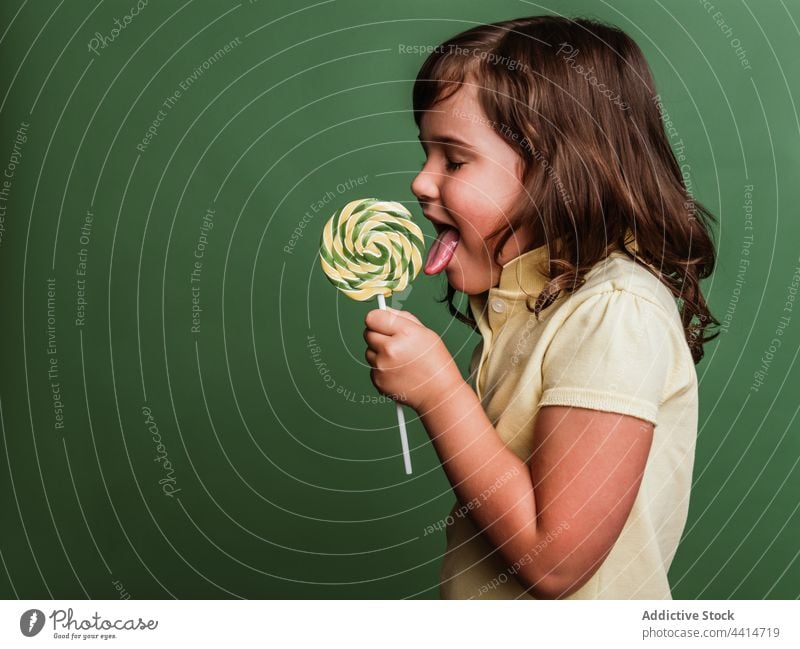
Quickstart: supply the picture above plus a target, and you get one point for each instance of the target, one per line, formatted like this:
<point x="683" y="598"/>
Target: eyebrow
<point x="447" y="139"/>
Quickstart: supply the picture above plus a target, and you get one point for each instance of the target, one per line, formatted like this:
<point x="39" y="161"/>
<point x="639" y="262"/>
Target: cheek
<point x="472" y="207"/>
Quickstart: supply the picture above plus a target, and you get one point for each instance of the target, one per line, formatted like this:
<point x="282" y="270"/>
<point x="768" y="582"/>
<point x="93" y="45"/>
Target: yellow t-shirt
<point x="615" y="344"/>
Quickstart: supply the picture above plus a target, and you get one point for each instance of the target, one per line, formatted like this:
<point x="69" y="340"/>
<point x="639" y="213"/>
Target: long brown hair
<point x="575" y="98"/>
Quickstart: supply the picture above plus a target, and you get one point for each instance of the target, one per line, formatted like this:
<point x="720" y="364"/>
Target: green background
<point x="291" y="484"/>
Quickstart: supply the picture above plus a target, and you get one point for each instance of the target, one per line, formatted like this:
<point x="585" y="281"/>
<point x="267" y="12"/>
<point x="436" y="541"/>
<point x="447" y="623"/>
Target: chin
<point x="457" y="281"/>
<point x="454" y="279"/>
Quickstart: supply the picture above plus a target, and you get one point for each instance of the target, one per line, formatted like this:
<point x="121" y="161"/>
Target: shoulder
<point x="620" y="279"/>
<point x="616" y="344"/>
<point x="624" y="311"/>
<point x="622" y="300"/>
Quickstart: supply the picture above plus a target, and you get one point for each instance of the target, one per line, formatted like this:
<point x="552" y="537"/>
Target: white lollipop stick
<point x="373" y="248"/>
<point x="401" y="420"/>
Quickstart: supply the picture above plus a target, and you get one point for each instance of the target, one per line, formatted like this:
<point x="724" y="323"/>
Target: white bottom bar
<point x="406" y="624"/>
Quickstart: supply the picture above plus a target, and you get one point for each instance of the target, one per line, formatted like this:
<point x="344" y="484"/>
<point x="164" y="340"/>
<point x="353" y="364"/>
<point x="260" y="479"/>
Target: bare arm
<point x="582" y="477"/>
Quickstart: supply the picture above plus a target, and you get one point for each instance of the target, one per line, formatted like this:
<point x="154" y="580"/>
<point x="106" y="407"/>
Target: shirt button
<point x="498" y="306"/>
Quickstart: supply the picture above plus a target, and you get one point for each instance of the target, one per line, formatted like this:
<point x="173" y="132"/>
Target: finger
<point x="387" y="322"/>
<point x="375" y="340"/>
<point x="406" y="314"/>
<point x="370" y="355"/>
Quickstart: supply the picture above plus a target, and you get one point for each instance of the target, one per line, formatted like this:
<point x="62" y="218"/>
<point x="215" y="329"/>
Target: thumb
<point x="405" y="314"/>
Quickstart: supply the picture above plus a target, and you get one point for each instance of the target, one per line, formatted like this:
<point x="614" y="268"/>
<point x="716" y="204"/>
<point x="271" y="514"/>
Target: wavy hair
<point x="576" y="99"/>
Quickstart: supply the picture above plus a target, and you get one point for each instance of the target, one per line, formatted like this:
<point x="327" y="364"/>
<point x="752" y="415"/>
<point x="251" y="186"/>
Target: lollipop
<point x="372" y="248"/>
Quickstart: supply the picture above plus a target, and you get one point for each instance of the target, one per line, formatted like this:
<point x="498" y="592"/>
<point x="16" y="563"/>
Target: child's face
<point x="469" y="185"/>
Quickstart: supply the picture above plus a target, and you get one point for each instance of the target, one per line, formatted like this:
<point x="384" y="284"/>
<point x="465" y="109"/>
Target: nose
<point x="425" y="187"/>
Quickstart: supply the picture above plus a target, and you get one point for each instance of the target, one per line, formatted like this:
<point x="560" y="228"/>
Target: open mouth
<point x="442" y="249"/>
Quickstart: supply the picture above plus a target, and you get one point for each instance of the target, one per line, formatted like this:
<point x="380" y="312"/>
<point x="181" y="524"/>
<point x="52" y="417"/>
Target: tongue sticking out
<point x="442" y="251"/>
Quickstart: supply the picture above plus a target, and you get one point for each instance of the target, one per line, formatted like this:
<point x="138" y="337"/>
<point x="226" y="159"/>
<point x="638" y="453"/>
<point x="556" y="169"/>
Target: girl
<point x="562" y="214"/>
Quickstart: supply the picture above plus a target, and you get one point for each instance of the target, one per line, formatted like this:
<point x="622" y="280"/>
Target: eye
<point x="452" y="165"/>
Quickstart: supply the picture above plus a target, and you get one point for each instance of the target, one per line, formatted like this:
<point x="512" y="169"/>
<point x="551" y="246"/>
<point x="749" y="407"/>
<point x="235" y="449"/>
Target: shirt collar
<point x="520" y="279"/>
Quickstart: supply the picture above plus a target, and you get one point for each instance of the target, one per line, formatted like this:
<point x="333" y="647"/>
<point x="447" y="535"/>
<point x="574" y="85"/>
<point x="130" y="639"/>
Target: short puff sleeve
<point x="612" y="353"/>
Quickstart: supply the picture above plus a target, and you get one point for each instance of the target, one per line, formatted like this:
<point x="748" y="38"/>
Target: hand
<point x="410" y="363"/>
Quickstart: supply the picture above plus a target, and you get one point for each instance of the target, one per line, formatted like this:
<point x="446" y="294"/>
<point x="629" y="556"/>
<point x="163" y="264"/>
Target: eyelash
<point x="451" y="165"/>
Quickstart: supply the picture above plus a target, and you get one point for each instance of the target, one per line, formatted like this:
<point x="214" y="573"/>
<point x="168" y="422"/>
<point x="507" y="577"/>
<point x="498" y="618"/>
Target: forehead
<point x="460" y="112"/>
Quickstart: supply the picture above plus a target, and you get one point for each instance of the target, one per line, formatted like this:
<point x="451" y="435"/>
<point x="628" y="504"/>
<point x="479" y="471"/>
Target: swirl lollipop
<point x="372" y="248"/>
